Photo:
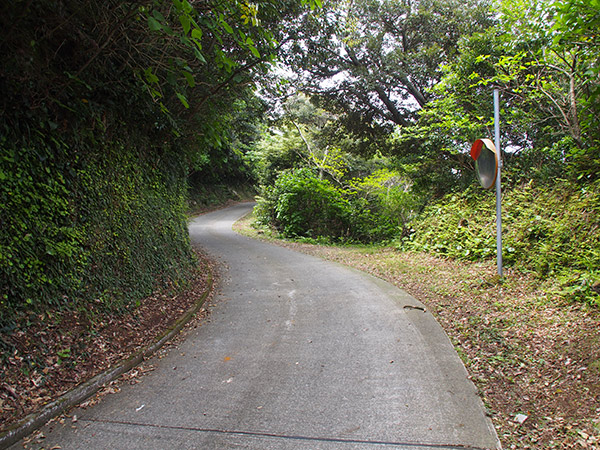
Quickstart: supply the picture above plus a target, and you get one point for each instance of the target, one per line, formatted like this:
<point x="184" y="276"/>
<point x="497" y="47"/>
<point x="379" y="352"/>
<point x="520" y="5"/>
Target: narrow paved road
<point x="298" y="353"/>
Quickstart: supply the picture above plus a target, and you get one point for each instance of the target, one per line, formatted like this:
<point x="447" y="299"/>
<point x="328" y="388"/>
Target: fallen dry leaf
<point x="95" y="342"/>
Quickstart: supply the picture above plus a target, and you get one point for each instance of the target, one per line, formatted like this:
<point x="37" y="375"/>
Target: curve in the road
<point x="298" y="353"/>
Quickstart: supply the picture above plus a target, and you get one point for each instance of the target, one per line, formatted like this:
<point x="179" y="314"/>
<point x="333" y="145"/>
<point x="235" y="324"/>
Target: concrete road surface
<point x="298" y="353"/>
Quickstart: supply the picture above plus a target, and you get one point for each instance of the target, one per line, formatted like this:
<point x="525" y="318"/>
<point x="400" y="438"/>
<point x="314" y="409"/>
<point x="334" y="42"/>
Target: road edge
<point x="88" y="388"/>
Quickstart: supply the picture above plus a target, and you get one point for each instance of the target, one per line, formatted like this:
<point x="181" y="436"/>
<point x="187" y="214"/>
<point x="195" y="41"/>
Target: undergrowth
<point x="79" y="227"/>
<point x="551" y="232"/>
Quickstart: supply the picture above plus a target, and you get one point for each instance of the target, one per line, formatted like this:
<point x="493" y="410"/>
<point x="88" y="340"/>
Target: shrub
<point x="552" y="232"/>
<point x="302" y="205"/>
<point x="386" y="204"/>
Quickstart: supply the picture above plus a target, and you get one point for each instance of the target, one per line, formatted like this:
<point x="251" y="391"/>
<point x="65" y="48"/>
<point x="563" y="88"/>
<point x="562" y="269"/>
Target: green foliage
<point x="222" y="157"/>
<point x="275" y="152"/>
<point x="104" y="108"/>
<point x="555" y="70"/>
<point x="206" y="48"/>
<point x="136" y="225"/>
<point x="460" y="225"/>
<point x="552" y="232"/>
<point x="391" y="204"/>
<point x="108" y="227"/>
<point x="432" y="158"/>
<point x="301" y="204"/>
<point x="542" y="56"/>
<point x="202" y="197"/>
<point x="40" y="250"/>
<point x="389" y="51"/>
<point x="354" y="198"/>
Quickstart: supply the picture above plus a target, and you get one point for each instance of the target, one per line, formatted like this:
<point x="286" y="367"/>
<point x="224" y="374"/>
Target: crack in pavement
<point x="288" y="437"/>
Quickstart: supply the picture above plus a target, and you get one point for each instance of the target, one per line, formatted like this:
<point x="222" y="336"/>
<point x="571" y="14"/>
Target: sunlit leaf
<point x="150" y="77"/>
<point x="189" y="78"/>
<point x="254" y="51"/>
<point x="227" y="27"/>
<point x="185" y="23"/>
<point x="183" y="100"/>
<point x="199" y="56"/>
<point x="197" y="33"/>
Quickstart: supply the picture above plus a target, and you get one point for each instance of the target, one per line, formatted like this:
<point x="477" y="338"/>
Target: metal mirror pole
<point x="498" y="190"/>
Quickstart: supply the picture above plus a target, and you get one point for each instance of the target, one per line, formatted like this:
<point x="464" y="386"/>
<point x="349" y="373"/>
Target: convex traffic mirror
<point x="484" y="152"/>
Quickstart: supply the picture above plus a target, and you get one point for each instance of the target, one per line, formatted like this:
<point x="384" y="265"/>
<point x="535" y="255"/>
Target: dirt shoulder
<point x="62" y="349"/>
<point x="534" y="357"/>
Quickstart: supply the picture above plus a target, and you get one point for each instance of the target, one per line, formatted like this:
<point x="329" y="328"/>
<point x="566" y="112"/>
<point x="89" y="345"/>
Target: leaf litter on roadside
<point x="529" y="352"/>
<point x="66" y="348"/>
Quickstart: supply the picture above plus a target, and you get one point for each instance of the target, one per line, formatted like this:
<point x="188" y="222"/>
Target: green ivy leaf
<point x="185" y="23"/>
<point x="197" y="33"/>
<point x="150" y="77"/>
<point x="183" y="100"/>
<point x="154" y="24"/>
<point x="189" y="78"/>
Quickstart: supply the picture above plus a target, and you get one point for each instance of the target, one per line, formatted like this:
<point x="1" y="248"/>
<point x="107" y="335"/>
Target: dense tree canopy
<point x="377" y="60"/>
<point x="351" y="119"/>
<point x="105" y="109"/>
<point x="164" y="89"/>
